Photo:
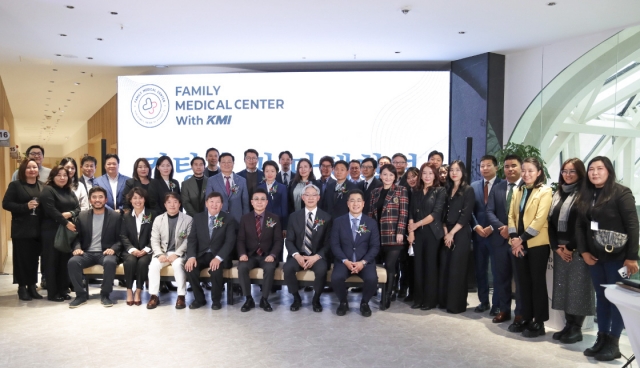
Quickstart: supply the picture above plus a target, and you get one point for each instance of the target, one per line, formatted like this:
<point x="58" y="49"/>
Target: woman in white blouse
<point x="79" y="190"/>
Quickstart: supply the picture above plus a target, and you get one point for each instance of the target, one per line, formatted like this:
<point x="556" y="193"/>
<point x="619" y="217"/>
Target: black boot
<point x="387" y="303"/>
<point x="558" y="335"/>
<point x="23" y="294"/>
<point x="575" y="332"/>
<point x="597" y="346"/>
<point x="33" y="291"/>
<point x="610" y="350"/>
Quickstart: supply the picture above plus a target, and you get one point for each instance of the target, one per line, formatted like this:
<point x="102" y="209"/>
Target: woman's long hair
<point x="588" y="188"/>
<point x="74" y="178"/>
<point x="156" y="172"/>
<point x="463" y="180"/>
<point x="436" y="181"/>
<point x="298" y="178"/>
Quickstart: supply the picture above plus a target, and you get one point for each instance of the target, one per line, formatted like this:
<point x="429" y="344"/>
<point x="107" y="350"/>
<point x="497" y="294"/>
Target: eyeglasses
<point x="568" y="172"/>
<point x="251" y="159"/>
<point x="35" y="154"/>
<point x="399" y="162"/>
<point x="325" y="166"/>
<point x="367" y="167"/>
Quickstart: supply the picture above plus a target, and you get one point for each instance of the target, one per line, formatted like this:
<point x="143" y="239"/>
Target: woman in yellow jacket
<point x="528" y="230"/>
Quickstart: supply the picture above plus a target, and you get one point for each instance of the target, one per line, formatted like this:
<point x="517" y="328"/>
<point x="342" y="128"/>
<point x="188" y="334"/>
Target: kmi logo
<point x="150" y="106"/>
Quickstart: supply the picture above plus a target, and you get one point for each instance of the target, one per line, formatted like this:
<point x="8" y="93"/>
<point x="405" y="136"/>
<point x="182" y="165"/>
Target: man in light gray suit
<point x="232" y="186"/>
<point x="194" y="188"/>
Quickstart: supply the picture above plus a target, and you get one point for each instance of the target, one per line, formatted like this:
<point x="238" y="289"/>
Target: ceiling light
<point x="61" y="110"/>
<point x="55" y="70"/>
<point x="49" y="91"/>
<point x="82" y="72"/>
<point x="51" y="81"/>
<point x="462" y="32"/>
<point x="89" y="57"/>
<point x="397" y="52"/>
<point x="63" y="35"/>
<point x="161" y="66"/>
<point x="70" y="6"/>
<point x="58" y="54"/>
<point x="551" y="4"/>
<point x="114" y="13"/>
<point x="72" y="92"/>
<point x="77" y="84"/>
<point x="68" y="99"/>
<point x="99" y="39"/>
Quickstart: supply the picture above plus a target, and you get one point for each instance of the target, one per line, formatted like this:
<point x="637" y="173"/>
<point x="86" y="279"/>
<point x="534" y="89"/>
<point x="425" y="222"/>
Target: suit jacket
<point x="237" y="202"/>
<point x="366" y="245"/>
<point x="270" y="240"/>
<point x="278" y="201"/>
<point x="375" y="183"/>
<point x="222" y="240"/>
<point x="497" y="211"/>
<point x="111" y="228"/>
<point x="318" y="183"/>
<point x="160" y="234"/>
<point x="336" y="203"/>
<point x="280" y="179"/>
<point x="534" y="217"/>
<point x="158" y="189"/>
<point x="395" y="213"/>
<point x="480" y="209"/>
<point x="432" y="203"/>
<point x="23" y="224"/>
<point x="103" y="182"/>
<point x="191" y="197"/>
<point x="260" y="175"/>
<point x="321" y="238"/>
<point x="129" y="236"/>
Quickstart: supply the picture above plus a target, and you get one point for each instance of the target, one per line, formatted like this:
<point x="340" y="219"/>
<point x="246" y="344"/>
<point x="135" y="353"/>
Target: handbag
<point x="64" y="238"/>
<point x="610" y="241"/>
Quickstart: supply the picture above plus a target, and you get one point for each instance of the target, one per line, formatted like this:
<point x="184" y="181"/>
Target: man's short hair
<point x="434" y="153"/>
<point x="372" y="160"/>
<point x="198" y="158"/>
<point x="35" y="146"/>
<point x="226" y="154"/>
<point x="111" y="155"/>
<point x="97" y="189"/>
<point x="211" y="149"/>
<point x="341" y="162"/>
<point x="285" y="153"/>
<point x="355" y="191"/>
<point x="259" y="190"/>
<point x="513" y="156"/>
<point x="327" y="159"/>
<point x="354" y="161"/>
<point x="215" y="195"/>
<point x="89" y="158"/>
<point x="399" y="155"/>
<point x="251" y="150"/>
<point x="493" y="159"/>
<point x="172" y="195"/>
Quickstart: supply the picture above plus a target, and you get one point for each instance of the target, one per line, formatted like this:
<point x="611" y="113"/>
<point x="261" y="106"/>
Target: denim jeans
<point x="609" y="318"/>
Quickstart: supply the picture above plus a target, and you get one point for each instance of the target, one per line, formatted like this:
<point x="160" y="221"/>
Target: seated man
<point x="259" y="243"/>
<point x="307" y="243"/>
<point x="355" y="242"/>
<point x="169" y="244"/>
<point x="98" y="242"/>
<point x="210" y="242"/>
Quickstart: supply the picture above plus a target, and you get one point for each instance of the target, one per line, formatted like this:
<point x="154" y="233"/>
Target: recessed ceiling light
<point x="68" y="100"/>
<point x="462" y="32"/>
<point x="61" y="110"/>
<point x="51" y="81"/>
<point x="99" y="39"/>
<point x="77" y="84"/>
<point x="55" y="70"/>
<point x="161" y="66"/>
<point x="82" y="72"/>
<point x="49" y="91"/>
<point x="114" y="13"/>
<point x="58" y="54"/>
<point x="551" y="3"/>
<point x="72" y="92"/>
<point x="89" y="57"/>
<point x="63" y="35"/>
<point x="70" y="6"/>
<point x="397" y="52"/>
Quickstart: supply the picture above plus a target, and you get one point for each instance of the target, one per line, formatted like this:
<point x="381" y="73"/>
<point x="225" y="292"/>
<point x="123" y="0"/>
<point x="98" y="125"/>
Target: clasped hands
<point x="306" y="262"/>
<point x="484" y="231"/>
<point x="354" y="267"/>
<point x="244" y="258"/>
<point x="564" y="253"/>
<point x="108" y="252"/>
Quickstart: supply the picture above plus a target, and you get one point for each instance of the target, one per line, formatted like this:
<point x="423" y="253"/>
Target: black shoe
<point x="534" y="329"/>
<point x="264" y="304"/>
<point x="408" y="298"/>
<point x="317" y="307"/>
<point x="33" y="291"/>
<point x="216" y="306"/>
<point x="356" y="290"/>
<point x="65" y="296"/>
<point x="78" y="301"/>
<point x="402" y="293"/>
<point x="248" y="304"/>
<point x="196" y="304"/>
<point x="482" y="307"/>
<point x="297" y="303"/>
<point x="573" y="335"/>
<point x="105" y="301"/>
<point x="393" y="297"/>
<point x="610" y="350"/>
<point x="558" y="335"/>
<point x="494" y="311"/>
<point x="207" y="285"/>
<point x="170" y="286"/>
<point x="327" y="289"/>
<point x="365" y="310"/>
<point x="163" y="288"/>
<point x="425" y="307"/>
<point x="518" y="326"/>
<point x="342" y="308"/>
<point x="43" y="283"/>
<point x="416" y="306"/>
<point x="601" y="339"/>
<point x="55" y="298"/>
<point x="23" y="294"/>
<point x="308" y="288"/>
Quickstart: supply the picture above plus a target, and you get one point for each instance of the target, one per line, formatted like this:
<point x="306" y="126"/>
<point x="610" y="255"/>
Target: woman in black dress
<point x="454" y="256"/>
<point x="141" y="178"/>
<point x="425" y="231"/>
<point x="21" y="199"/>
<point x="163" y="183"/>
<point x="59" y="205"/>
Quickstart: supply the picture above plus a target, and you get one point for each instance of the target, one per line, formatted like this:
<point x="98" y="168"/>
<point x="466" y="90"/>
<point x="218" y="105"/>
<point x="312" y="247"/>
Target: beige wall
<point x="8" y="166"/>
<point x="103" y="125"/>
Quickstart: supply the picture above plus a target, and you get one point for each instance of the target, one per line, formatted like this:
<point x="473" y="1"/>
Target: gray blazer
<point x="160" y="234"/>
<point x="236" y="203"/>
<point x="190" y="195"/>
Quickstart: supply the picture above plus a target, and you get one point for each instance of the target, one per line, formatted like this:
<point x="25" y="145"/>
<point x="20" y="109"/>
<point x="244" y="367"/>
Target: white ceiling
<point x="220" y="36"/>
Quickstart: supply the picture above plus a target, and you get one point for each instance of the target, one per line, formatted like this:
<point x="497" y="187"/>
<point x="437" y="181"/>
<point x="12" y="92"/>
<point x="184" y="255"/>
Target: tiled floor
<point x="46" y="334"/>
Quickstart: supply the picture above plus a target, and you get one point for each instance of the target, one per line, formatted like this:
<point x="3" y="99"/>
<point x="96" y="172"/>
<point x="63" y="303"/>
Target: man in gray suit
<point x="232" y="186"/>
<point x="194" y="188"/>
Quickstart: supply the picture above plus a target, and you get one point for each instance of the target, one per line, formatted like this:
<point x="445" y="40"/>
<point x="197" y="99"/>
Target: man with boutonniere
<point x="355" y="242"/>
<point x="259" y="243"/>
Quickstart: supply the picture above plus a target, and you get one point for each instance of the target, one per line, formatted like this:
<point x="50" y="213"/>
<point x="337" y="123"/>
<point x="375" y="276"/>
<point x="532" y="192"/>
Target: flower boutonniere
<point x="182" y="235"/>
<point x="270" y="222"/>
<point x="234" y="189"/>
<point x="172" y="186"/>
<point x="317" y="223"/>
<point x="362" y="229"/>
<point x="217" y="223"/>
<point x="341" y="190"/>
<point x="273" y="190"/>
<point x="146" y="219"/>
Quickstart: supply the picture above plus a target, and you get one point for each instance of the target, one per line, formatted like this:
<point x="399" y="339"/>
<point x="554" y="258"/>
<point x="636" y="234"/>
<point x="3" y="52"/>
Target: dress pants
<point x="178" y="272"/>
<point x="136" y="269"/>
<point x="532" y="273"/>
<point x="203" y="262"/>
<point x="268" y="272"/>
<point x="340" y="274"/>
<point x="26" y="253"/>
<point x="482" y="253"/>
<point x="87" y="259"/>
<point x="426" y="248"/>
<point x="453" y="289"/>
<point x="55" y="265"/>
<point x="504" y="263"/>
<point x="609" y="317"/>
<point x="291" y="267"/>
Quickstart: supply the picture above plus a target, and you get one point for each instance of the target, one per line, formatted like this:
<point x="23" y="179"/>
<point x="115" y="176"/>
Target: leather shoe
<point x="195" y="305"/>
<point x="137" y="303"/>
<point x="180" y="302"/>
<point x="163" y="288"/>
<point x="317" y="307"/>
<point x="308" y="288"/>
<point x="365" y="310"/>
<point x="153" y="302"/>
<point x="295" y="306"/>
<point x="216" y="306"/>
<point x="482" y="307"/>
<point x="501" y="317"/>
<point x="248" y="304"/>
<point x="425" y="307"/>
<point x="55" y="298"/>
<point x="65" y="296"/>
<point x="518" y="325"/>
<point x="342" y="308"/>
<point x="130" y="302"/>
<point x="416" y="306"/>
<point x="33" y="291"/>
<point x="264" y="304"/>
<point x="356" y="289"/>
<point x="534" y="329"/>
<point x="494" y="311"/>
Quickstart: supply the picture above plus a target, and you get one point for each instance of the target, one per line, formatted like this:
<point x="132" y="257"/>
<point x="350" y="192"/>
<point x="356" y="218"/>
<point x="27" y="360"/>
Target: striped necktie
<point x="306" y="244"/>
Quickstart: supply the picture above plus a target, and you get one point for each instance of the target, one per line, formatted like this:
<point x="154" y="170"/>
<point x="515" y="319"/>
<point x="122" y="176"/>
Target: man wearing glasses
<point x="232" y="186"/>
<point x="370" y="182"/>
<point x="36" y="152"/>
<point x="251" y="173"/>
<point x="399" y="161"/>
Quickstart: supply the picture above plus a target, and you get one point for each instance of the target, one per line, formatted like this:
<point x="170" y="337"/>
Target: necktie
<point x="354" y="231"/>
<point x="523" y="201"/>
<point x="91" y="181"/>
<point x="509" y="196"/>
<point x="227" y="185"/>
<point x="486" y="191"/>
<point x="286" y="179"/>
<point x="366" y="185"/>
<point x="306" y="245"/>
<point x="259" y="231"/>
<point x="211" y="219"/>
<point x="324" y="185"/>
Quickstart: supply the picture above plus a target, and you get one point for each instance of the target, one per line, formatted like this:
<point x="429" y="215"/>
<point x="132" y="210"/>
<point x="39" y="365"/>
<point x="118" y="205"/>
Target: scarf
<point x="563" y="218"/>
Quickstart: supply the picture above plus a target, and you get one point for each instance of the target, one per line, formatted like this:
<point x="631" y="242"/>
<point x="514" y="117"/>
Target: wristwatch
<point x="364" y="263"/>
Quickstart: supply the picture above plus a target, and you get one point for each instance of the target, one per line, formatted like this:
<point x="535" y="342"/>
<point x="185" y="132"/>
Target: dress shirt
<point x="224" y="179"/>
<point x="490" y="183"/>
<point x="368" y="181"/>
<point x="138" y="227"/>
<point x="88" y="183"/>
<point x="306" y="216"/>
<point x="114" y="190"/>
<point x="289" y="177"/>
<point x="515" y="187"/>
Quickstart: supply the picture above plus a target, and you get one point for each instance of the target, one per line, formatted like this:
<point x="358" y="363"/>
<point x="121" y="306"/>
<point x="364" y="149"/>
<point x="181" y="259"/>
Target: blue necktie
<point x="354" y="232"/>
<point x="211" y="219"/>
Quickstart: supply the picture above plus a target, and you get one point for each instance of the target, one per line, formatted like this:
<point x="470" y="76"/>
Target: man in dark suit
<point x="286" y="174"/>
<point x="113" y="182"/>
<point x="497" y="213"/>
<point x="482" y="250"/>
<point x="399" y="161"/>
<point x="88" y="166"/>
<point x="97" y="242"/>
<point x="209" y="244"/>
<point x="212" y="155"/>
<point x="194" y="189"/>
<point x="232" y="186"/>
<point x="326" y="167"/>
<point x="251" y="173"/>
<point x="308" y="241"/>
<point x="334" y="200"/>
<point x="354" y="171"/>
<point x="259" y="244"/>
<point x="370" y="182"/>
<point x="355" y="242"/>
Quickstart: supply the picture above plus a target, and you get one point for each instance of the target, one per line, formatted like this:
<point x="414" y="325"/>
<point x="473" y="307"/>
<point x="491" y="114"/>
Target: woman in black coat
<point x="59" y="205"/>
<point x="163" y="183"/>
<point x="140" y="178"/>
<point x="21" y="199"/>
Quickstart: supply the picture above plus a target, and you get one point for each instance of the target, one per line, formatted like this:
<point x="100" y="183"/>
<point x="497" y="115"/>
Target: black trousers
<point x="532" y="272"/>
<point x="78" y="263"/>
<point x="55" y="265"/>
<point x="26" y="253"/>
<point x="291" y="267"/>
<point x="268" y="272"/>
<point x="340" y="274"/>
<point x="453" y="289"/>
<point x="136" y="269"/>
<point x="405" y="269"/>
<point x="391" y="255"/>
<point x="216" y="278"/>
<point x="505" y="266"/>
<point x="426" y="248"/>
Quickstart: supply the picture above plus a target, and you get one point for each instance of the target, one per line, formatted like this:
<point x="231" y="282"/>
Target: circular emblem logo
<point x="150" y="106"/>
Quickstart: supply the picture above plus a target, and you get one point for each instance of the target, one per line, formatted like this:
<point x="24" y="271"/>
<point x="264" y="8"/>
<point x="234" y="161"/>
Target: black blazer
<point x="129" y="232"/>
<point x="375" y="183"/>
<point x="432" y="204"/>
<point x="111" y="229"/>
<point x="133" y="183"/>
<point x="336" y="203"/>
<point x="618" y="214"/>
<point x="280" y="180"/>
<point x="55" y="201"/>
<point x="157" y="190"/>
<point x="270" y="240"/>
<point x="318" y="183"/>
<point x="23" y="224"/>
<point x="459" y="208"/>
<point x="321" y="238"/>
<point x="222" y="241"/>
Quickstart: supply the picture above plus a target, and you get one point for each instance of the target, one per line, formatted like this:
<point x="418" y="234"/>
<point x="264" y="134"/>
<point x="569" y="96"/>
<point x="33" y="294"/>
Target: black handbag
<point x="64" y="239"/>
<point x="609" y="241"/>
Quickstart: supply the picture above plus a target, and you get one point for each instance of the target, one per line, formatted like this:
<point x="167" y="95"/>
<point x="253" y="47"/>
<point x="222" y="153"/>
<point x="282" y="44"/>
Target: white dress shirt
<point x="138" y="227"/>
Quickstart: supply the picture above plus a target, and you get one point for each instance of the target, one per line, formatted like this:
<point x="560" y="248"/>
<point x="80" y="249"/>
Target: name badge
<point x="594" y="225"/>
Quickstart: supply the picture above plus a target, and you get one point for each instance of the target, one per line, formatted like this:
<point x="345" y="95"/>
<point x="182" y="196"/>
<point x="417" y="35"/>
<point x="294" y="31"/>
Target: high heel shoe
<point x="129" y="302"/>
<point x="137" y="302"/>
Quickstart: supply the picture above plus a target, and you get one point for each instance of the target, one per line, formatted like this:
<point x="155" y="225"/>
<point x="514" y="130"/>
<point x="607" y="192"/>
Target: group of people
<point x="425" y="225"/>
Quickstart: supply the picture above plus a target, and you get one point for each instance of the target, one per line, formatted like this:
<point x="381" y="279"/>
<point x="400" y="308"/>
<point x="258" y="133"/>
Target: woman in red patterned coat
<point x="389" y="206"/>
